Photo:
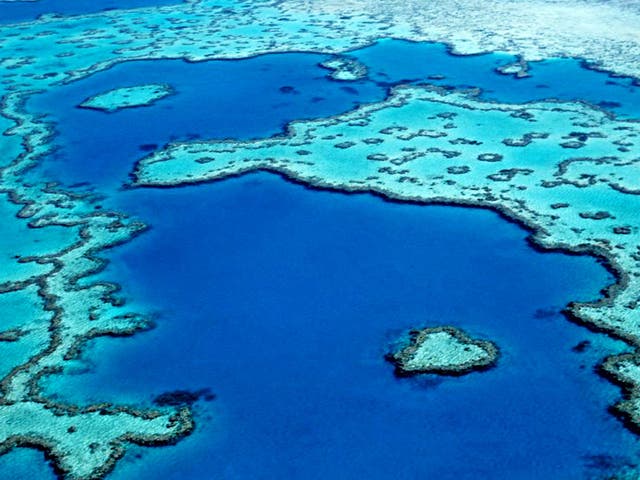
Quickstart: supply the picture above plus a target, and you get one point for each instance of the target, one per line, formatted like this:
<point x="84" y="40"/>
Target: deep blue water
<point x="15" y="12"/>
<point x="283" y="301"/>
<point x="25" y="464"/>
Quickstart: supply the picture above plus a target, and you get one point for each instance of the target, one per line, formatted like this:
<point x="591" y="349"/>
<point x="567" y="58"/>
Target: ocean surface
<point x="283" y="300"/>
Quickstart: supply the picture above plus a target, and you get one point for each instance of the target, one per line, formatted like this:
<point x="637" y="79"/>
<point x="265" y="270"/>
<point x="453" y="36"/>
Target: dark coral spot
<point x="148" y="147"/>
<point x="179" y="398"/>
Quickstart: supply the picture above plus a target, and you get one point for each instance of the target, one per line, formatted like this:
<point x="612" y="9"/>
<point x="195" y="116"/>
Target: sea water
<point x="223" y="99"/>
<point x="392" y="61"/>
<point x="257" y="97"/>
<point x="283" y="300"/>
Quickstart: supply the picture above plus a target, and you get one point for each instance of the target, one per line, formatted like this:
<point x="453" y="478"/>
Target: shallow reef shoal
<point x="127" y="97"/>
<point x="444" y="351"/>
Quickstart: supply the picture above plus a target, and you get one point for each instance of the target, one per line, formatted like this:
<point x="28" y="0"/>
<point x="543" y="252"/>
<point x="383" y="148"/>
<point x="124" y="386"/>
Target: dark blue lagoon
<point x="28" y="10"/>
<point x="283" y="301"/>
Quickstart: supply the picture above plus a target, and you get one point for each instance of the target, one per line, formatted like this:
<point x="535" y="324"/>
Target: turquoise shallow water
<point x="283" y="300"/>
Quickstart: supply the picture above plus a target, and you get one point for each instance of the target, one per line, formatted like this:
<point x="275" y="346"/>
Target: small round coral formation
<point x="444" y="351"/>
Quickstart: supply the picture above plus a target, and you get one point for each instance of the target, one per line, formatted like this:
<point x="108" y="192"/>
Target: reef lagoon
<point x="311" y="240"/>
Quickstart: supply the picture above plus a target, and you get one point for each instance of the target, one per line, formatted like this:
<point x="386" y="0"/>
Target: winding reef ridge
<point x="568" y="171"/>
<point x="84" y="441"/>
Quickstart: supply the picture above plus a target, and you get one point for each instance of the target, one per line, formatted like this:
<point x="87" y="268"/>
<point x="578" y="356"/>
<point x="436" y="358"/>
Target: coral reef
<point x="127" y="97"/>
<point x="345" y="69"/>
<point x="445" y="351"/>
